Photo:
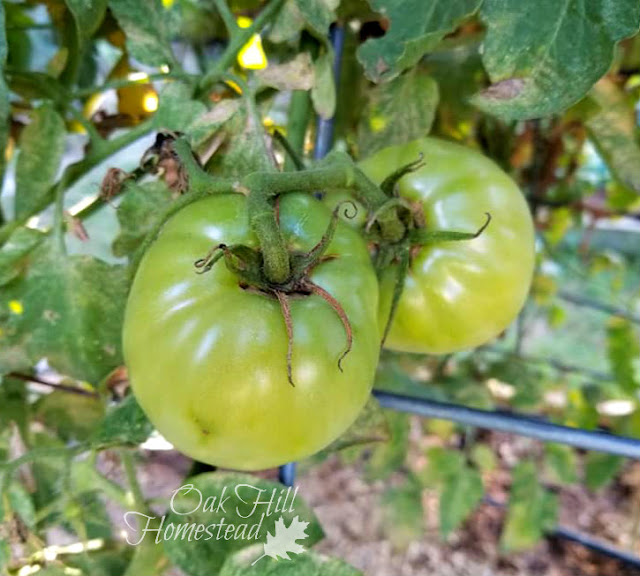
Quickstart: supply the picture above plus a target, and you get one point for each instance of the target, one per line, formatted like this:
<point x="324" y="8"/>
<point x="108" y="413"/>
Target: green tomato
<point x="461" y="294"/>
<point x="207" y="358"/>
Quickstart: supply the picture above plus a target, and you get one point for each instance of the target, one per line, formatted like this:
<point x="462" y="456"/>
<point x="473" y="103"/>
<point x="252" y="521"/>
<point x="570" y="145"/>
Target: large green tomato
<point x="457" y="294"/>
<point x="207" y="359"/>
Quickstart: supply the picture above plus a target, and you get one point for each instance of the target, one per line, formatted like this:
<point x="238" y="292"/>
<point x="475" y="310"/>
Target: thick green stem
<point x="337" y="172"/>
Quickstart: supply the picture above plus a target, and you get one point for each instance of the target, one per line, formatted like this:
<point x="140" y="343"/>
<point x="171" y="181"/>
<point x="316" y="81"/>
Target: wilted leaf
<point x="308" y="564"/>
<point x="414" y="29"/>
<point x="613" y="131"/>
<point x="67" y="309"/>
<point x="532" y="510"/>
<point x="41" y="146"/>
<point x="600" y="469"/>
<point x="236" y="494"/>
<point x="623" y="351"/>
<point x="295" y="74"/>
<point x="543" y="56"/>
<point x="397" y="112"/>
<point x="141" y="207"/>
<point x="145" y="25"/>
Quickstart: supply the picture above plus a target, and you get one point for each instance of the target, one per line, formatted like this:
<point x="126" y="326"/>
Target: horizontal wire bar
<point x="512" y="423"/>
<point x="601" y="306"/>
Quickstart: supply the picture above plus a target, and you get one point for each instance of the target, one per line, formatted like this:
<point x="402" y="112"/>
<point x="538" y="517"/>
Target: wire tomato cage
<point x="508" y="422"/>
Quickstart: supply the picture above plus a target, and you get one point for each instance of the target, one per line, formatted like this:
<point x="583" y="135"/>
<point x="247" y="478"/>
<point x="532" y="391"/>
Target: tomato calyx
<point x="247" y="264"/>
<point x="400" y="253"/>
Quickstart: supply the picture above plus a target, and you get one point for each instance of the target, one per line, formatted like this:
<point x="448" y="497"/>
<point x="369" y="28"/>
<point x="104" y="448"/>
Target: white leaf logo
<point x="283" y="542"/>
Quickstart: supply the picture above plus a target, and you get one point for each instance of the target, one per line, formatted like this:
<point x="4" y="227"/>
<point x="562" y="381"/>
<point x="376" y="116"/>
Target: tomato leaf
<point x="323" y="93"/>
<point x="310" y="564"/>
<point x="318" y="14"/>
<point x="403" y="515"/>
<point x="15" y="251"/>
<point x="388" y="457"/>
<point x="623" y="351"/>
<point x="413" y="31"/>
<point x="21" y="504"/>
<point x="612" y="130"/>
<point x="88" y="15"/>
<point x="4" y="95"/>
<point x="600" y="469"/>
<point x="562" y="463"/>
<point x="176" y="110"/>
<point x="123" y="424"/>
<point x="294" y="74"/>
<point x="397" y="112"/>
<point x="141" y="207"/>
<point x="532" y="510"/>
<point x="72" y="416"/>
<point x="145" y="25"/>
<point x="207" y="556"/>
<point x="544" y="56"/>
<point x="41" y="146"/>
<point x="66" y="309"/>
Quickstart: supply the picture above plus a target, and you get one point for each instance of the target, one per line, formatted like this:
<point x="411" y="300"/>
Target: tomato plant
<point x="457" y="295"/>
<point x="208" y="358"/>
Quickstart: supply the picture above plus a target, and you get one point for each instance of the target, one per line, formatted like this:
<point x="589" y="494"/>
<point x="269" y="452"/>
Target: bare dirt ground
<point x="350" y="512"/>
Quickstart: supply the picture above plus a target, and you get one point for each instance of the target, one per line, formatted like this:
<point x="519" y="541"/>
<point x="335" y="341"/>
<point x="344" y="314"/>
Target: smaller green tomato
<point x="460" y="294"/>
<point x="207" y="358"/>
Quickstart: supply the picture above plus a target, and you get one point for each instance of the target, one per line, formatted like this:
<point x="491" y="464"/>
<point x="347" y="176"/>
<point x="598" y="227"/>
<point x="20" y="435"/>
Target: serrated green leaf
<point x="4" y="95"/>
<point x="460" y="494"/>
<point x="309" y="563"/>
<point x="72" y="416"/>
<point x="403" y="515"/>
<point x="623" y="351"/>
<point x="562" y="463"/>
<point x="176" y="110"/>
<point x="288" y="23"/>
<point x="532" y="510"/>
<point x="41" y="147"/>
<point x="612" y="130"/>
<point x="544" y="56"/>
<point x="145" y="25"/>
<point x="397" y="112"/>
<point x="414" y="30"/>
<point x="15" y="252"/>
<point x="125" y="423"/>
<point x="483" y="457"/>
<point x="67" y="309"/>
<point x="323" y="93"/>
<point x="600" y="469"/>
<point x="390" y="456"/>
<point x="141" y="207"/>
<point x="203" y="556"/>
<point x="21" y="504"/>
<point x="318" y="14"/>
<point x="441" y="464"/>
